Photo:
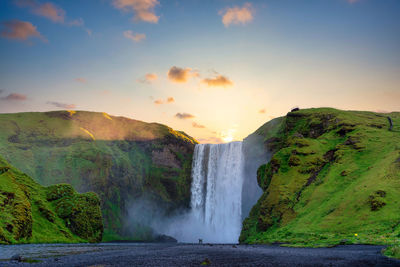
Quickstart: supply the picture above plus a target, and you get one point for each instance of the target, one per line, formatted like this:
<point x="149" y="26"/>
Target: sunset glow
<point x="230" y="65"/>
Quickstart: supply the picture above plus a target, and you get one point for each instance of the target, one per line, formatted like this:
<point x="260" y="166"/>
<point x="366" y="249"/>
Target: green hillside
<point x="31" y="213"/>
<point x="120" y="159"/>
<point x="334" y="178"/>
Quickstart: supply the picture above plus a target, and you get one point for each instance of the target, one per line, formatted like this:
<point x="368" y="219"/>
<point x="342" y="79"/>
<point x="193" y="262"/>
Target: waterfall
<point x="224" y="188"/>
<point x="216" y="200"/>
<point x="216" y="190"/>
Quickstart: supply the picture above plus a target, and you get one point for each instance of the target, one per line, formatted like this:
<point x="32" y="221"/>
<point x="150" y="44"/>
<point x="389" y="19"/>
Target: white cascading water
<point x="216" y="201"/>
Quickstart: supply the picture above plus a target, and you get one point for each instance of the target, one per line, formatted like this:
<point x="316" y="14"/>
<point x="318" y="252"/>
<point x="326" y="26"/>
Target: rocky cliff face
<point x="31" y="213"/>
<point x="334" y="178"/>
<point x="120" y="159"/>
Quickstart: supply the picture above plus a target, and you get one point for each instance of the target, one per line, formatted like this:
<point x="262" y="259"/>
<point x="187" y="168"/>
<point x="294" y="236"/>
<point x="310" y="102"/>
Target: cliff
<point x="334" y="178"/>
<point x="124" y="161"/>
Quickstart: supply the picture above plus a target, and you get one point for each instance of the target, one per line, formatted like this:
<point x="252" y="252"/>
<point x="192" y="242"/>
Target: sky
<point x="217" y="69"/>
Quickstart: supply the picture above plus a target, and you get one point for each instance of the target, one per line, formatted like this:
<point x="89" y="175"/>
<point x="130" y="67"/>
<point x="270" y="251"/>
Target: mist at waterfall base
<point x="224" y="189"/>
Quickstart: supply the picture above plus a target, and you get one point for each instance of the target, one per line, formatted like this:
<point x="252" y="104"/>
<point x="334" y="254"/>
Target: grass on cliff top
<point x="41" y="126"/>
<point x="335" y="178"/>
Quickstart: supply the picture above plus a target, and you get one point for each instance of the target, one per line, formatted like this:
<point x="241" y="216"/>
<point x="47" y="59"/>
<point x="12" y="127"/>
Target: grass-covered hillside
<point x="120" y="159"/>
<point x="334" y="178"/>
<point x="31" y="213"/>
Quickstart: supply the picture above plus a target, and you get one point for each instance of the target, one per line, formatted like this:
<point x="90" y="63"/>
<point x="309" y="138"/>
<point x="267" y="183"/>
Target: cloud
<point x="219" y="80"/>
<point x="77" y="22"/>
<point x="52" y="12"/>
<point x="1" y="91"/>
<point x="151" y="77"/>
<point x="148" y="78"/>
<point x="169" y="100"/>
<point x="20" y="30"/>
<point x="195" y="125"/>
<point x="143" y="9"/>
<point x="62" y="105"/>
<point x="81" y="80"/>
<point x="262" y="111"/>
<point x="181" y="75"/>
<point x="136" y="37"/>
<point x="14" y="97"/>
<point x="237" y="15"/>
<point x="184" y="116"/>
<point x="47" y="10"/>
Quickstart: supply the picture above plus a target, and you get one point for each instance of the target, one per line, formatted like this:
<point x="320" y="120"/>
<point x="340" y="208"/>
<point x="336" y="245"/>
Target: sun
<point x="228" y="138"/>
<point x="228" y="135"/>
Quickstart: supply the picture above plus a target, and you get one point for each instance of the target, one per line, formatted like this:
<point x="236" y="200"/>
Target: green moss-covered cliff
<point x="31" y="213"/>
<point x="120" y="159"/>
<point x="334" y="178"/>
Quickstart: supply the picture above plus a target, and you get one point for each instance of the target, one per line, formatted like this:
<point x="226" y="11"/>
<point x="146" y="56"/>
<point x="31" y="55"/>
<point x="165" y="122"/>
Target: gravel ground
<point x="136" y="254"/>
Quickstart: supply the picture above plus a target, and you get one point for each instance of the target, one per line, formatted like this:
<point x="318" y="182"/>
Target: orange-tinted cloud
<point x="151" y="77"/>
<point x="181" y="75"/>
<point x="81" y="80"/>
<point x="52" y="12"/>
<point x="47" y="10"/>
<point x="148" y="78"/>
<point x="62" y="105"/>
<point x="14" y="97"/>
<point x="195" y="125"/>
<point x="20" y="30"/>
<point x="237" y="15"/>
<point x="136" y="37"/>
<point x="184" y="116"/>
<point x="169" y="100"/>
<point x="143" y="9"/>
<point x="262" y="111"/>
<point x="219" y="80"/>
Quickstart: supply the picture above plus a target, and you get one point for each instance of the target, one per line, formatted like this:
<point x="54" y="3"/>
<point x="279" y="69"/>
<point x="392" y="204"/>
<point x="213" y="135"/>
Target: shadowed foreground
<point x="131" y="254"/>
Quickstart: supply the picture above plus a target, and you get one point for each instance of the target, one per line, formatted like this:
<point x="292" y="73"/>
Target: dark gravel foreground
<point x="131" y="254"/>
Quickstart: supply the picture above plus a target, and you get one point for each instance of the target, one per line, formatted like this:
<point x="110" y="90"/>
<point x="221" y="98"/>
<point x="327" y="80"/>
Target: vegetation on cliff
<point x="31" y="213"/>
<point x="120" y="159"/>
<point x="334" y="178"/>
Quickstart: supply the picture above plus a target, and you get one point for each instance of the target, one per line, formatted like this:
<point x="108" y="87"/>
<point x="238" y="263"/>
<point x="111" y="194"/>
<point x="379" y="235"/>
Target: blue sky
<point x="267" y="57"/>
